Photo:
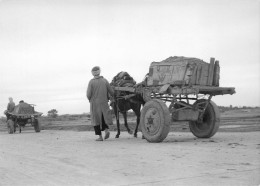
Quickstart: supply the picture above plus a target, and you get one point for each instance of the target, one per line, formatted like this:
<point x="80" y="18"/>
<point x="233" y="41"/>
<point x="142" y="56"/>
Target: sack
<point x="23" y="108"/>
<point x="123" y="79"/>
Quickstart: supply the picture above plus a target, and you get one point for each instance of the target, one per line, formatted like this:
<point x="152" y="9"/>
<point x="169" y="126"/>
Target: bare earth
<point x="74" y="158"/>
<point x="66" y="153"/>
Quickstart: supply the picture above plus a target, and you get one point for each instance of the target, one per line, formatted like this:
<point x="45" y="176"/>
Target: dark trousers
<point x="99" y="128"/>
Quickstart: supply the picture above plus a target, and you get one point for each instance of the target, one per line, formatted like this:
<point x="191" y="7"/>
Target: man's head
<point x="10" y="99"/>
<point x="95" y="71"/>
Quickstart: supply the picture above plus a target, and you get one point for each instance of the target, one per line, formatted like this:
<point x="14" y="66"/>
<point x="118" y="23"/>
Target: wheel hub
<point x="152" y="121"/>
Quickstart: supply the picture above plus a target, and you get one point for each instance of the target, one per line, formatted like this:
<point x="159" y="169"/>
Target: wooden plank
<point x="128" y="89"/>
<point x="198" y="74"/>
<point x="204" y="74"/>
<point x="216" y="75"/>
<point x="186" y="115"/>
<point x="186" y="76"/>
<point x="215" y="90"/>
<point x="183" y="90"/>
<point x="164" y="88"/>
<point x="194" y="75"/>
<point x="211" y="72"/>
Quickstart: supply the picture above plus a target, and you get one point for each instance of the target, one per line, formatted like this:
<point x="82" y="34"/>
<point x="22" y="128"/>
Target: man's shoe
<point x="99" y="139"/>
<point x="107" y="135"/>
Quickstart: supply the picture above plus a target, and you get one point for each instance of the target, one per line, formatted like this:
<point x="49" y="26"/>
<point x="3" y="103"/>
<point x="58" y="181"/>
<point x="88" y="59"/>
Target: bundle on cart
<point x="123" y="79"/>
<point x="24" y="108"/>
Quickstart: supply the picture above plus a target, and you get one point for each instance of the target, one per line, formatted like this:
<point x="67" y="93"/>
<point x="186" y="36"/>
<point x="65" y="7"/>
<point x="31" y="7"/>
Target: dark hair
<point x="21" y="101"/>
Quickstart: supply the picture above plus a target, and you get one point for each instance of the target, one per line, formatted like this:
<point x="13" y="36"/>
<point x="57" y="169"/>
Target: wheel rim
<point x="152" y="121"/>
<point x="209" y="124"/>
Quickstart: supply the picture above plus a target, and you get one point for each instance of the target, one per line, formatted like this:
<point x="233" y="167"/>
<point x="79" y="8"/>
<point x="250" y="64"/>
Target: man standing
<point x="10" y="107"/>
<point x="97" y="93"/>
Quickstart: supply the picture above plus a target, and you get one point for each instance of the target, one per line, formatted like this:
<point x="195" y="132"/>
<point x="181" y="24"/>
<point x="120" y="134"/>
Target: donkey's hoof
<point x="135" y="135"/>
<point x="130" y="132"/>
<point x="117" y="136"/>
<point x="143" y="137"/>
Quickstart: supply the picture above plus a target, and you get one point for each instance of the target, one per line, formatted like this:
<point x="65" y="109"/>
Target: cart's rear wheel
<point x="37" y="126"/>
<point x="10" y="126"/>
<point x="155" y="121"/>
<point x="210" y="120"/>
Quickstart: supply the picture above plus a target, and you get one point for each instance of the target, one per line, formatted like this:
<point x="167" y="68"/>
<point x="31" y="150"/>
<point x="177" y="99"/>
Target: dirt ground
<point x="72" y="156"/>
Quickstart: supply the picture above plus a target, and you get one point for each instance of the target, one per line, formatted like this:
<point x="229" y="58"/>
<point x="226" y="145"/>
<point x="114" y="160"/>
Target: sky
<point x="48" y="47"/>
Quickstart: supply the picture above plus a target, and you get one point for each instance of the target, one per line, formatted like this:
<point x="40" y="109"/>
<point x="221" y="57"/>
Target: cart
<point x="179" y="89"/>
<point x="23" y="114"/>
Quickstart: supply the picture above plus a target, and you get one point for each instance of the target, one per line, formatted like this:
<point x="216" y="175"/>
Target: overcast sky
<point x="48" y="47"/>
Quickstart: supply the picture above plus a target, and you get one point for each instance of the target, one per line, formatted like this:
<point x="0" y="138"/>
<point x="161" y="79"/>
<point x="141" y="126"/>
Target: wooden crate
<point x="184" y="71"/>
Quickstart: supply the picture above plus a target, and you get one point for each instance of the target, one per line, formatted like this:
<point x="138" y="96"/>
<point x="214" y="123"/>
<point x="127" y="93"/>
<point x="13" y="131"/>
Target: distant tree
<point x="53" y="113"/>
<point x="2" y="120"/>
<point x="87" y="115"/>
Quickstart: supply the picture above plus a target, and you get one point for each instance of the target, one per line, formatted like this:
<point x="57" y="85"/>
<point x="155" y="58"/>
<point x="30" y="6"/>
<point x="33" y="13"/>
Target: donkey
<point x="122" y="105"/>
<point x="124" y="101"/>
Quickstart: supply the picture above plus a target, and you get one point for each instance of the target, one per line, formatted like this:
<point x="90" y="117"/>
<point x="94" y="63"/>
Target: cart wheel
<point x="37" y="126"/>
<point x="10" y="126"/>
<point x="210" y="121"/>
<point x="155" y="121"/>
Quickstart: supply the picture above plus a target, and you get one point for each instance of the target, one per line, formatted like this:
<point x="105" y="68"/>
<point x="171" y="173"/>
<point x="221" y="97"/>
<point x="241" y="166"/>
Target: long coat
<point x="10" y="106"/>
<point x="97" y="93"/>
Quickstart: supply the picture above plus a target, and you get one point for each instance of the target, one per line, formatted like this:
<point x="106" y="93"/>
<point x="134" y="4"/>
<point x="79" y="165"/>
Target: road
<point x="75" y="158"/>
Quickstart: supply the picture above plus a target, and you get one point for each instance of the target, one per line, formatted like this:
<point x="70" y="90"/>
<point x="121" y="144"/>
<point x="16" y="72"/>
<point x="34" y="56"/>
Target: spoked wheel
<point x="155" y="121"/>
<point x="37" y="126"/>
<point x="209" y="123"/>
<point x="10" y="126"/>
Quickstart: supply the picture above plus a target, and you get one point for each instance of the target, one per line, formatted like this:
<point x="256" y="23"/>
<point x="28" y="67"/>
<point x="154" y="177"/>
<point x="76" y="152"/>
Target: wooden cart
<point x="179" y="89"/>
<point x="23" y="114"/>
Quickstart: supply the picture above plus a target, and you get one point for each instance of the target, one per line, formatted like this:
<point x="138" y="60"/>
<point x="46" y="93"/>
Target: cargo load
<point x="23" y="108"/>
<point x="123" y="79"/>
<point x="184" y="71"/>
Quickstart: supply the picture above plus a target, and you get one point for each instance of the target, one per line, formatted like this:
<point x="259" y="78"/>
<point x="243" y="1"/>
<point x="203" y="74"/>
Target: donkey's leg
<point x="137" y="112"/>
<point x="118" y="127"/>
<point x="136" y="109"/>
<point x="137" y="124"/>
<point x="117" y="122"/>
<point x="126" y="124"/>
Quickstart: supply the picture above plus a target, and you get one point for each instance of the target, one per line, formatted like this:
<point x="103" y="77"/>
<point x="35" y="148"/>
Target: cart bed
<point x="184" y="90"/>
